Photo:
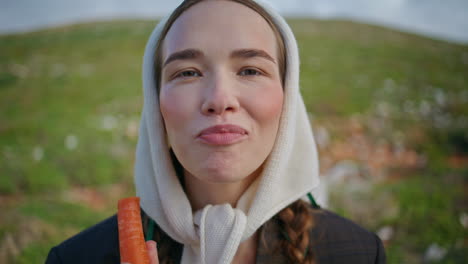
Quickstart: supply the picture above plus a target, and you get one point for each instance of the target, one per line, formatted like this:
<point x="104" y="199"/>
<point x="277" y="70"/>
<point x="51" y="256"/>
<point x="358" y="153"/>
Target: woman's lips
<point x="222" y="135"/>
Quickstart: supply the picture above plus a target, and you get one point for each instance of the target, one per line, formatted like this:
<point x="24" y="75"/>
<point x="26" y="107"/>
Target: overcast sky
<point x="444" y="19"/>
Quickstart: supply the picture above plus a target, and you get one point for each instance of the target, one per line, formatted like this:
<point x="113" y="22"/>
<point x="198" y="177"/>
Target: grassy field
<point x="70" y="100"/>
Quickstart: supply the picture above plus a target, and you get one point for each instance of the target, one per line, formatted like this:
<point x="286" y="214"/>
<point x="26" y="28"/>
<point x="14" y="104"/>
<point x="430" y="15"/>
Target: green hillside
<point x="70" y="100"/>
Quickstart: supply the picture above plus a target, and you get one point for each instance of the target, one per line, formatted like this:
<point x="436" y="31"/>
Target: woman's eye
<point x="187" y="74"/>
<point x="249" y="72"/>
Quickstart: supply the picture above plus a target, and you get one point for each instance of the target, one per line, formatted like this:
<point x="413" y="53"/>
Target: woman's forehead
<point x="220" y="27"/>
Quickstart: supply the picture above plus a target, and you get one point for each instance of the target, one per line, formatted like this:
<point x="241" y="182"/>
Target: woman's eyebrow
<point x="251" y="53"/>
<point x="187" y="54"/>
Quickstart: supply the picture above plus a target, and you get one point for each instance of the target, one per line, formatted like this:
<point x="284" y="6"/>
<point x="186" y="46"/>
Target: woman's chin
<point x="223" y="167"/>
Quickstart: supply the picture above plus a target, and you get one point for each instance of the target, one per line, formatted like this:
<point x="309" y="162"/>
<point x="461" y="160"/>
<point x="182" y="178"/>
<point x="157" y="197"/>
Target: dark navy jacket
<point x="334" y="240"/>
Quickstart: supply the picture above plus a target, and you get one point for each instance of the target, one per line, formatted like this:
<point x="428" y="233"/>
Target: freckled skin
<point x="219" y="89"/>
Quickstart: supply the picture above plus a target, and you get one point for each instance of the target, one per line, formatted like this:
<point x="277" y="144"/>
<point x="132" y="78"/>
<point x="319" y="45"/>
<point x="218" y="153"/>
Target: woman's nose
<point x="220" y="97"/>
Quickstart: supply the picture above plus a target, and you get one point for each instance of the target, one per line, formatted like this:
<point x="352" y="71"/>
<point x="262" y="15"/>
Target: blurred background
<point x="385" y="83"/>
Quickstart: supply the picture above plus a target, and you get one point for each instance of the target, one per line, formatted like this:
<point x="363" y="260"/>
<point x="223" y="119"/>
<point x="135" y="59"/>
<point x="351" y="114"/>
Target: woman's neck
<point x="202" y="193"/>
<point x="247" y="251"/>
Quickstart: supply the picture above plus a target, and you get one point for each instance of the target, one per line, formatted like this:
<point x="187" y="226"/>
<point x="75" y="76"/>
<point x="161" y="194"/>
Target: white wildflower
<point x="440" y="98"/>
<point x="71" y="142"/>
<point x="57" y="70"/>
<point x="19" y="70"/>
<point x="434" y="253"/>
<point x="385" y="233"/>
<point x="108" y="122"/>
<point x="322" y="136"/>
<point x="38" y="153"/>
<point x="383" y="109"/>
<point x="424" y="108"/>
<point x="464" y="220"/>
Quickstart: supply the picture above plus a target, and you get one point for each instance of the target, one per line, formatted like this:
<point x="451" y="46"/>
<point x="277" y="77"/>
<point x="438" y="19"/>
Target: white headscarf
<point x="213" y="234"/>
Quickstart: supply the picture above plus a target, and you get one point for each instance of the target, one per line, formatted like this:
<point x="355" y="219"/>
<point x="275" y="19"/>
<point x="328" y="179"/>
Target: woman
<point x="225" y="151"/>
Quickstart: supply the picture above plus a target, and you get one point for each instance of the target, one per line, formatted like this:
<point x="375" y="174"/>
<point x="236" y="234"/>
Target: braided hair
<point x="295" y="222"/>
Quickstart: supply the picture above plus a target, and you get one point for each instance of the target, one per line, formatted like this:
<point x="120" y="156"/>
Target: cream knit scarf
<point x="213" y="234"/>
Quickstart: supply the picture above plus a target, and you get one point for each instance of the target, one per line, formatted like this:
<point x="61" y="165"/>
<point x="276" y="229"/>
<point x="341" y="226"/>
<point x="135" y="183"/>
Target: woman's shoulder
<point x="339" y="240"/>
<point x="333" y="239"/>
<point x="337" y="227"/>
<point x="97" y="244"/>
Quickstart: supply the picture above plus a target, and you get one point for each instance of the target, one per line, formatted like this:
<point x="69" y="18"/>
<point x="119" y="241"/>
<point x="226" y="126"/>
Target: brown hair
<point x="295" y="220"/>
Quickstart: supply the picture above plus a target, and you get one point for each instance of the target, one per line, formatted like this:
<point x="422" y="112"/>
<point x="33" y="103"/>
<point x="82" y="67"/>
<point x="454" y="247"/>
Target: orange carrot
<point x="131" y="242"/>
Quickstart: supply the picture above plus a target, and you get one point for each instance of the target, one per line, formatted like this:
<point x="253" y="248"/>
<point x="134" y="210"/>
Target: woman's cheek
<point x="176" y="108"/>
<point x="267" y="106"/>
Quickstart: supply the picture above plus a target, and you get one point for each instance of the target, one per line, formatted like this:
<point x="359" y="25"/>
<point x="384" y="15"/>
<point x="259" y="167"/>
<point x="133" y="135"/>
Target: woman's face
<point x="221" y="95"/>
